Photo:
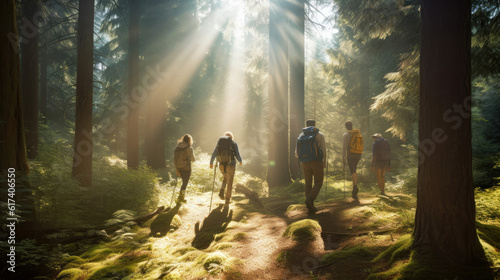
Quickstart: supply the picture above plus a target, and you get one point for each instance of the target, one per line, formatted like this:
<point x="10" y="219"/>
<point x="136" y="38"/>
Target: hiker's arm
<point x="237" y="153"/>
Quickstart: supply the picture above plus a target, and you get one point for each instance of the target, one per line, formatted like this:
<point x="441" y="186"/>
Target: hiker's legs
<point x="308" y="177"/>
<point x="354" y="179"/>
<point x="319" y="174"/>
<point x="185" y="175"/>
<point x="380" y="179"/>
<point x="231" y="170"/>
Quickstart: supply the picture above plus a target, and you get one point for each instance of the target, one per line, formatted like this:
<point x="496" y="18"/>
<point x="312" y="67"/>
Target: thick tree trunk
<point x="43" y="88"/>
<point x="29" y="78"/>
<point x="133" y="81"/>
<point x="445" y="219"/>
<point x="278" y="172"/>
<point x="12" y="139"/>
<point x="82" y="157"/>
<point x="297" y="74"/>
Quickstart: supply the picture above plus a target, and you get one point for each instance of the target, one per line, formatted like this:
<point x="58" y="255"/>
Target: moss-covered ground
<point x="369" y="239"/>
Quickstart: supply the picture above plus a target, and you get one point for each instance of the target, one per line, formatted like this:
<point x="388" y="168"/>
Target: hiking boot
<point x="181" y="197"/>
<point x="383" y="193"/>
<point x="311" y="209"/>
<point x="221" y="194"/>
<point x="354" y="193"/>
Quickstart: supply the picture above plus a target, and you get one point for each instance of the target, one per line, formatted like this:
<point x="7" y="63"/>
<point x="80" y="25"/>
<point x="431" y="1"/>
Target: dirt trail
<point x="263" y="240"/>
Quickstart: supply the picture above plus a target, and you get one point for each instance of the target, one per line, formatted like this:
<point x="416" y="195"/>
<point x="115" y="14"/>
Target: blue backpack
<point x="307" y="147"/>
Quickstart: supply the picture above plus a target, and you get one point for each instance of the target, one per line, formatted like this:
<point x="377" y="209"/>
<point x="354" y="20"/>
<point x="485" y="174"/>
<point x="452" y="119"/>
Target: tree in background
<point x="278" y="172"/>
<point x="83" y="146"/>
<point x="29" y="74"/>
<point x="297" y="78"/>
<point x="445" y="226"/>
<point x="133" y="82"/>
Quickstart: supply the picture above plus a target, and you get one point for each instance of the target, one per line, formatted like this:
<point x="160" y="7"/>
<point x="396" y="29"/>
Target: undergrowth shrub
<point x="61" y="202"/>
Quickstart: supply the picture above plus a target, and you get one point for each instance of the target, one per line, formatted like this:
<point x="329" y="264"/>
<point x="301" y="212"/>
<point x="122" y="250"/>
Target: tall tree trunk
<point x="297" y="83"/>
<point x="133" y="81"/>
<point x="12" y="139"/>
<point x="13" y="157"/>
<point x="278" y="172"/>
<point x="43" y="88"/>
<point x="82" y="157"/>
<point x="445" y="228"/>
<point x="29" y="77"/>
<point x="364" y="96"/>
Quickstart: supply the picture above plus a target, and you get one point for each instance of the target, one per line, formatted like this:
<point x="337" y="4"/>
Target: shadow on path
<point x="216" y="222"/>
<point x="161" y="224"/>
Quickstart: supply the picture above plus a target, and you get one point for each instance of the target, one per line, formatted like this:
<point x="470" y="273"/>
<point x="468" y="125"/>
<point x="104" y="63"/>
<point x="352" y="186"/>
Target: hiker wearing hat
<point x="381" y="161"/>
<point x="311" y="151"/>
<point x="352" y="149"/>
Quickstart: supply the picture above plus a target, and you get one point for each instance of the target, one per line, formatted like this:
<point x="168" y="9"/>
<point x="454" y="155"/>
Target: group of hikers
<point x="310" y="150"/>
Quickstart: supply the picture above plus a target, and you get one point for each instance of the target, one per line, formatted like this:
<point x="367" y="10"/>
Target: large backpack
<point x="307" y="146"/>
<point x="224" y="150"/>
<point x="356" y="142"/>
<point x="382" y="149"/>
<point x="181" y="158"/>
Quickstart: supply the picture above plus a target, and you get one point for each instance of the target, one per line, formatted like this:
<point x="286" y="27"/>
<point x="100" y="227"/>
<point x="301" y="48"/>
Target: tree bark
<point x="297" y="83"/>
<point x="83" y="146"/>
<point x="43" y="89"/>
<point x="133" y="81"/>
<point x="29" y="76"/>
<point x="12" y="139"/>
<point x="445" y="227"/>
<point x="278" y="171"/>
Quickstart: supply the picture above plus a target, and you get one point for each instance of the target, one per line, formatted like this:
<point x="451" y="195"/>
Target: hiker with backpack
<point x="226" y="151"/>
<point x="352" y="149"/>
<point x="183" y="156"/>
<point x="381" y="161"/>
<point x="311" y="151"/>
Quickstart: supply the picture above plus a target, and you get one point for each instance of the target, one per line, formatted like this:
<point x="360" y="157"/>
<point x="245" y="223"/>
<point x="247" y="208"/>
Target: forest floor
<point x="345" y="239"/>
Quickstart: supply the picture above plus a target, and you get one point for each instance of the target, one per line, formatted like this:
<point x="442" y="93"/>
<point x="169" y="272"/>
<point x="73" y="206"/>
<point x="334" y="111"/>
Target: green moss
<point x="183" y="251"/>
<point x="304" y="230"/>
<point x="191" y="256"/>
<point x="389" y="274"/>
<point x="400" y="250"/>
<point x="490" y="233"/>
<point x="97" y="253"/>
<point x="113" y="271"/>
<point x="70" y="274"/>
<point x="295" y="207"/>
<point x="353" y="254"/>
<point x="240" y="236"/>
<point x="283" y="257"/>
<point x="214" y="262"/>
<point x="75" y="260"/>
<point x="222" y="246"/>
<point x="176" y="222"/>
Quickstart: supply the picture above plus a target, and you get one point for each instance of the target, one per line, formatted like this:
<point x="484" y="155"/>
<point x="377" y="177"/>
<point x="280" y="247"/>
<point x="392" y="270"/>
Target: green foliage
<point x="303" y="230"/>
<point x="400" y="250"/>
<point x="488" y="204"/>
<point x="62" y="203"/>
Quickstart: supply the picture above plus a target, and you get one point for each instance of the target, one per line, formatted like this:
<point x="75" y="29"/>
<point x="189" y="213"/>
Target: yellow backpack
<point x="356" y="142"/>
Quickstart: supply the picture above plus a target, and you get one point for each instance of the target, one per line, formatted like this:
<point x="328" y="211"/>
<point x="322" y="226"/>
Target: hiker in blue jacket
<point x="311" y="151"/>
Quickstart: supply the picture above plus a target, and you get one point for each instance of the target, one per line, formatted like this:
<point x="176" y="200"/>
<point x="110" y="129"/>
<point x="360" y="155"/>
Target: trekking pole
<point x="343" y="171"/>
<point x="173" y="192"/>
<point x="213" y="186"/>
<point x="326" y="179"/>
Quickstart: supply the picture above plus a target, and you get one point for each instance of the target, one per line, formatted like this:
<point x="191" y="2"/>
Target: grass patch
<point x="71" y="274"/>
<point x="303" y="230"/>
<point x="398" y="251"/>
